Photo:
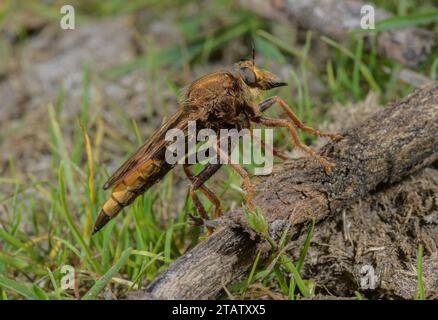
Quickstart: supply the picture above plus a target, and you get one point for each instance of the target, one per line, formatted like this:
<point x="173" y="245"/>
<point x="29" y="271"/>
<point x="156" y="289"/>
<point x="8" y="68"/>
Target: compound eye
<point x="248" y="76"/>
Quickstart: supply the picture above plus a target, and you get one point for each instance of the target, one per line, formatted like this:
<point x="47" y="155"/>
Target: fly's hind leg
<point x="275" y="99"/>
<point x="225" y="158"/>
<point x="286" y="124"/>
<point x="198" y="183"/>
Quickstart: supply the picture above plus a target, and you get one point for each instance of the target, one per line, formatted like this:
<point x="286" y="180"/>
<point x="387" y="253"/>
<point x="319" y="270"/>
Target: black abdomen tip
<point x="101" y="221"/>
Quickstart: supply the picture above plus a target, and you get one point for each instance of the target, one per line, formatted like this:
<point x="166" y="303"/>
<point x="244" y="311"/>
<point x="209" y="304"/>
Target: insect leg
<point x="275" y="99"/>
<point x="196" y="201"/>
<point x="286" y="124"/>
<point x="225" y="158"/>
<point x="205" y="174"/>
<point x="198" y="183"/>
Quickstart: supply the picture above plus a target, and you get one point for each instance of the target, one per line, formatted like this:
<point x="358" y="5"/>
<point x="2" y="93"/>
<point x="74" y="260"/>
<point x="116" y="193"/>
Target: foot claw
<point x="250" y="204"/>
<point x="197" y="221"/>
<point x="328" y="167"/>
<point x="331" y="136"/>
<point x="335" y="137"/>
<point x="217" y="212"/>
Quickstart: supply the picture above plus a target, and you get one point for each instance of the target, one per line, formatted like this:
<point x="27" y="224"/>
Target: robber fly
<point x="220" y="100"/>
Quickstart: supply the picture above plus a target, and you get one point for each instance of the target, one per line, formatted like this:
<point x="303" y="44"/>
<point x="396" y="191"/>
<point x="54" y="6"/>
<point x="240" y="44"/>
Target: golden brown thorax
<point x="229" y="100"/>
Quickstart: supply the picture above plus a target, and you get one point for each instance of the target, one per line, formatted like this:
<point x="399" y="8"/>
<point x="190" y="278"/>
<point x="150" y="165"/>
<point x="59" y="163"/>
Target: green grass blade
<point x="168" y="244"/>
<point x="421" y="294"/>
<point x="434" y="70"/>
<point x="301" y="259"/>
<point x="299" y="281"/>
<point x="62" y="151"/>
<point x="9" y="238"/>
<point x="279" y="274"/>
<point x="366" y="73"/>
<point x="39" y="293"/>
<point x="306" y="246"/>
<point x="281" y="44"/>
<point x="72" y="226"/>
<point x="17" y="287"/>
<point x="18" y="263"/>
<point x="54" y="284"/>
<point x="103" y="281"/>
<point x="358" y="295"/>
<point x="251" y="274"/>
<point x="150" y="255"/>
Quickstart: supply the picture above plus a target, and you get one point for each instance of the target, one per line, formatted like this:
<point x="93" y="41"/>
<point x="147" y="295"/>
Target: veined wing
<point x="147" y="151"/>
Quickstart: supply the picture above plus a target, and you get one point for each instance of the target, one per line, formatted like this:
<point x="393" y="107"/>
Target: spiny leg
<point x="225" y="158"/>
<point x="286" y="124"/>
<point x="205" y="174"/>
<point x="266" y="104"/>
<point x="196" y="201"/>
<point x="198" y="183"/>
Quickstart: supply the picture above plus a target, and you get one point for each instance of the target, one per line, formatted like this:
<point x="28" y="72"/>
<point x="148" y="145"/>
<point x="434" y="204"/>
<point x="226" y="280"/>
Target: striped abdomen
<point x="125" y="192"/>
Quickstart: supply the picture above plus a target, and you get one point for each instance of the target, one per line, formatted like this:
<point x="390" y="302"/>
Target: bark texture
<point x="381" y="150"/>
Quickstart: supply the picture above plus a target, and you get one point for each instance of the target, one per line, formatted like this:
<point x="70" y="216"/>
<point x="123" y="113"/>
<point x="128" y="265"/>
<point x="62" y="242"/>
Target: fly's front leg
<point x="225" y="158"/>
<point x="275" y="99"/>
<point x="286" y="124"/>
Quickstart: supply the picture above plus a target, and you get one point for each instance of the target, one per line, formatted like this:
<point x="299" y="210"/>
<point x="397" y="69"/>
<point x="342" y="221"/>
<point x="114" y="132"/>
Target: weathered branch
<point x="336" y="18"/>
<point x="383" y="149"/>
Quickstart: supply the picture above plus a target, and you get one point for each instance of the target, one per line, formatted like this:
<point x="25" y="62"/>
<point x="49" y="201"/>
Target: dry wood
<point x="383" y="149"/>
<point x="336" y="18"/>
